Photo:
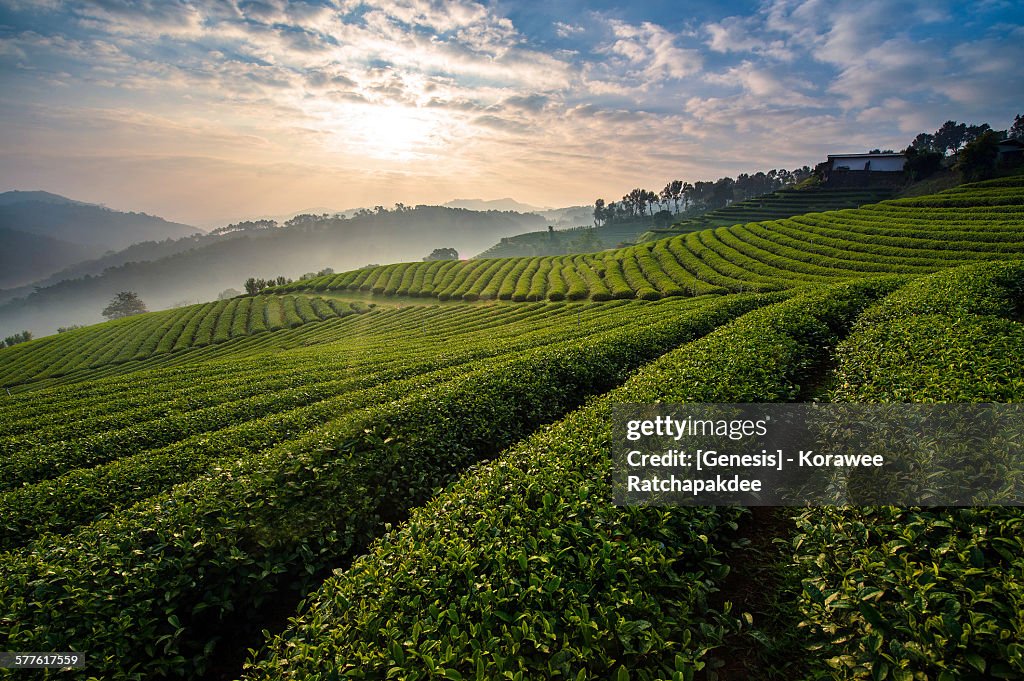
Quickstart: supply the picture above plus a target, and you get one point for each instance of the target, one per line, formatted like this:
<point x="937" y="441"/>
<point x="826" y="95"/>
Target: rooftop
<point x="892" y="155"/>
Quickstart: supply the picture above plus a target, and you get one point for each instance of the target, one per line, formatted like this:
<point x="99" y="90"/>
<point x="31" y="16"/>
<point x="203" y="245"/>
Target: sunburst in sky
<point x="210" y="111"/>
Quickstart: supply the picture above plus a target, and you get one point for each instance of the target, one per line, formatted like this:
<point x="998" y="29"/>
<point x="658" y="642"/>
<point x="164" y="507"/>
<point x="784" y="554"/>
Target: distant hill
<point x="83" y="223"/>
<point x="17" y="196"/>
<point x="92" y="266"/>
<point x="75" y="230"/>
<point x="567" y="218"/>
<point x="494" y="204"/>
<point x="24" y="255"/>
<point x="197" y="269"/>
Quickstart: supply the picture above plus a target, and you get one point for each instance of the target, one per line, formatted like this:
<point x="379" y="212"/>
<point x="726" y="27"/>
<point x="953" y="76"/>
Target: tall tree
<point x="677" y="193"/>
<point x="921" y="163"/>
<point x="1016" y="130"/>
<point x="721" y="193"/>
<point x="973" y="132"/>
<point x="686" y="195"/>
<point x="253" y="285"/>
<point x="650" y="198"/>
<point x="637" y="201"/>
<point x="924" y="142"/>
<point x="951" y="136"/>
<point x="666" y="194"/>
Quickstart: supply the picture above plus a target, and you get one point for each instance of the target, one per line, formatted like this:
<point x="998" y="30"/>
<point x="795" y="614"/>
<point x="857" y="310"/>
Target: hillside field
<point x="404" y="472"/>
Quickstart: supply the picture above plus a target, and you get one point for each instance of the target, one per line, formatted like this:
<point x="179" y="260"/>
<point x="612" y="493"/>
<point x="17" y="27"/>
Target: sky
<point x="212" y="111"/>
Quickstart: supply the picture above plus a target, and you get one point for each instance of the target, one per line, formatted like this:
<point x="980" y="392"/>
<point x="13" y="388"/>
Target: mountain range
<point x="43" y="233"/>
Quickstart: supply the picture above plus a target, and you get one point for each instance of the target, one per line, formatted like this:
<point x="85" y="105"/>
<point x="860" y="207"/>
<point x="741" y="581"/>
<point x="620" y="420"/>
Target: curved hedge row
<point x="139" y="337"/>
<point x="525" y="569"/>
<point x="154" y="585"/>
<point x="894" y="593"/>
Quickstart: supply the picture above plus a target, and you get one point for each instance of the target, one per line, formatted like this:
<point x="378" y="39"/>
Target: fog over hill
<point x="45" y="232"/>
<point x="197" y="269"/>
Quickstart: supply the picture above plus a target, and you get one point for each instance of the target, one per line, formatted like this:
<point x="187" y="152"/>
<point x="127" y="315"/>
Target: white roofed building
<point x="861" y="170"/>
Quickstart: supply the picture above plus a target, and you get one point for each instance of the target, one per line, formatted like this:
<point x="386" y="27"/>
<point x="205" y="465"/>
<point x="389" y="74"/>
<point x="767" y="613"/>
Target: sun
<point x="389" y="131"/>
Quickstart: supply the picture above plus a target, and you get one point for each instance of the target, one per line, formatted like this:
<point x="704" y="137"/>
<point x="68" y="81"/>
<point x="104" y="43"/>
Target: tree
<point x="11" y="341"/>
<point x="124" y="304"/>
<point x="924" y="142"/>
<point x="977" y="161"/>
<point x="662" y="219"/>
<point x="921" y="163"/>
<point x="650" y="198"/>
<point x="1016" y="130"/>
<point x="599" y="212"/>
<point x="443" y="254"/>
<point x="253" y="285"/>
<point x="676" y="188"/>
<point x="973" y="132"/>
<point x="228" y="293"/>
<point x="721" y="193"/>
<point x="635" y="201"/>
<point x="951" y="136"/>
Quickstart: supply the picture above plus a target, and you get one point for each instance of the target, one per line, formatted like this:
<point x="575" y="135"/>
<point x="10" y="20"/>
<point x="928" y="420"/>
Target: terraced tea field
<point x="905" y="236"/>
<point x="783" y="203"/>
<point x="310" y="485"/>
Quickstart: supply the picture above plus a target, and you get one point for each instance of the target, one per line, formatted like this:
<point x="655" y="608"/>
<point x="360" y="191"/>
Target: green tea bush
<point x="153" y="584"/>
<point x="525" y="569"/>
<point x="907" y="593"/>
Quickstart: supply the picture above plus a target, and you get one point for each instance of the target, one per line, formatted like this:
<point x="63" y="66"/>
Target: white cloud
<point x="652" y="51"/>
<point x="734" y="34"/>
<point x="896" y="67"/>
<point x="764" y="85"/>
<point x="564" y="30"/>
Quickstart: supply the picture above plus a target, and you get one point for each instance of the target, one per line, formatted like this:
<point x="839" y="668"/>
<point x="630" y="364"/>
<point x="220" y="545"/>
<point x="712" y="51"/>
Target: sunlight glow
<point x="388" y="132"/>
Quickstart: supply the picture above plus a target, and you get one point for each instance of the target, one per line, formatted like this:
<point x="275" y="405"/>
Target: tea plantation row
<point x="154" y="585"/>
<point x="525" y="569"/>
<point x="901" y="593"/>
<point x="141" y="336"/>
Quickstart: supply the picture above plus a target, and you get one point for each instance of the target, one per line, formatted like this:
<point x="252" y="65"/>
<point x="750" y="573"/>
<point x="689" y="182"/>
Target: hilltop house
<point x="863" y="170"/>
<point x="1010" y="152"/>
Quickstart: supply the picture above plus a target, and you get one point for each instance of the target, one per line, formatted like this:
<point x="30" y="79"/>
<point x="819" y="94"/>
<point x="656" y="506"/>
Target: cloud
<point x="892" y="68"/>
<point x="457" y="92"/>
<point x="564" y="30"/>
<point x="765" y="86"/>
<point x="652" y="51"/>
<point x="746" y="34"/>
<point x="441" y="16"/>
